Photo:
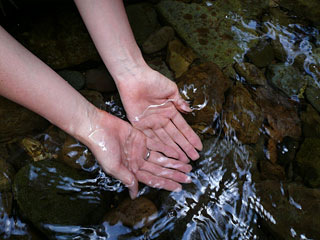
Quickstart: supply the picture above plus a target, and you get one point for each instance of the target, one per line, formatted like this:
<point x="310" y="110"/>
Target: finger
<point x="180" y="103"/>
<point x="163" y="135"/>
<point x="167" y="173"/>
<point x="159" y="146"/>
<point x="159" y="159"/>
<point x="187" y="131"/>
<point x="176" y="135"/>
<point x="157" y="182"/>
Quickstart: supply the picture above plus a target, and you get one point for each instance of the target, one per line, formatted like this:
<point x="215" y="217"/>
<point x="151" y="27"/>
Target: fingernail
<point x="189" y="179"/>
<point x="132" y="195"/>
<point x="186" y="108"/>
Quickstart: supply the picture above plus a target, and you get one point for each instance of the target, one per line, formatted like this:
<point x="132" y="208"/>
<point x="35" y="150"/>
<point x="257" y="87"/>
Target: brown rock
<point x="251" y="73"/>
<point x="310" y="122"/>
<point x="179" y="57"/>
<point x="204" y="87"/>
<point x="243" y="115"/>
<point x="136" y="213"/>
<point x="271" y="171"/>
<point x="158" y="40"/>
<point x="16" y="120"/>
<point x="100" y="80"/>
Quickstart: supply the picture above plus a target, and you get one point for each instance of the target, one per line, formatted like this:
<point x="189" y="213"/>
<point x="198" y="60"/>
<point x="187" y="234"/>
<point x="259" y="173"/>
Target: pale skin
<point x="119" y="147"/>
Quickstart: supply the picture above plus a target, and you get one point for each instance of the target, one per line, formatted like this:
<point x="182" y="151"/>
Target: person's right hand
<point x="121" y="151"/>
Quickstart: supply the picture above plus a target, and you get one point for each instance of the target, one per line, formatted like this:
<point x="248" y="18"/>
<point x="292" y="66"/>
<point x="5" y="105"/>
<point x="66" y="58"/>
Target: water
<point x="237" y="190"/>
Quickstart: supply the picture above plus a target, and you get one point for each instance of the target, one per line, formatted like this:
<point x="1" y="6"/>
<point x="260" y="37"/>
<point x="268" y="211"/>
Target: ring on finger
<point x="147" y="155"/>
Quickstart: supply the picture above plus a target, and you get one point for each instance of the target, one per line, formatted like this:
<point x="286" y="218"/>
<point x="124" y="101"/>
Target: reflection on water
<point x="238" y="190"/>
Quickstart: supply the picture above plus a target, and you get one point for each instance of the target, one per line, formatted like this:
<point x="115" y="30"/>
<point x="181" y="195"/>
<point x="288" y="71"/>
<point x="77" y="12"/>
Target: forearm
<point x="109" y="28"/>
<point x="28" y="81"/>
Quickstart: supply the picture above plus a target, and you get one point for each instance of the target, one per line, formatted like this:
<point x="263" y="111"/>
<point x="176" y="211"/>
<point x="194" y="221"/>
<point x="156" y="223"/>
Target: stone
<point x="251" y="73"/>
<point x="36" y="150"/>
<point x="287" y="78"/>
<point x="308" y="162"/>
<point x="6" y="175"/>
<point x="76" y="155"/>
<point x="99" y="79"/>
<point x="159" y="65"/>
<point x="74" y="78"/>
<point x="143" y="20"/>
<point x="230" y="72"/>
<point x="242" y="115"/>
<point x="58" y="37"/>
<point x="50" y="193"/>
<point x="94" y="97"/>
<point x="286" y="152"/>
<point x="310" y="119"/>
<point x="137" y="213"/>
<point x="158" y="40"/>
<point x="212" y="31"/>
<point x="53" y="139"/>
<point x="18" y="121"/>
<point x="204" y="87"/>
<point x="313" y="95"/>
<point x="271" y="171"/>
<point x="6" y="201"/>
<point x="261" y="55"/>
<point x="179" y="57"/>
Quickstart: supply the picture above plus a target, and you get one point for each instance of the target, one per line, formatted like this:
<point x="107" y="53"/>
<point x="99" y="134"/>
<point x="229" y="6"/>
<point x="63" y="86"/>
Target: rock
<point x="286" y="151"/>
<point x="271" y="171"/>
<point x="313" y="94"/>
<point x="211" y="31"/>
<point x="18" y="121"/>
<point x="287" y="211"/>
<point x="308" y="161"/>
<point x="143" y="20"/>
<point x="261" y="55"/>
<point x="310" y="122"/>
<point x="281" y="115"/>
<point x="76" y="155"/>
<point x="99" y="79"/>
<point x="6" y="175"/>
<point x="135" y="214"/>
<point x="230" y="72"/>
<point x="179" y="57"/>
<point x="6" y="200"/>
<point x="242" y="115"/>
<point x="36" y="150"/>
<point x="49" y="193"/>
<point x="74" y="78"/>
<point x="158" y="40"/>
<point x="251" y="73"/>
<point x="94" y="97"/>
<point x="287" y="78"/>
<point x="159" y="65"/>
<point x="204" y="87"/>
<point x="59" y="37"/>
<point x="53" y="139"/>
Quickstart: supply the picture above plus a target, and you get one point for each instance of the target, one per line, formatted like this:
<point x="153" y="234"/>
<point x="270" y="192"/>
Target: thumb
<point x="180" y="103"/>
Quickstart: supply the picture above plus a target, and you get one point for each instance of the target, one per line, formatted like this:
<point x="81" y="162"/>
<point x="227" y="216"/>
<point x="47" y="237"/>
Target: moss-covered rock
<point x="308" y="161"/>
<point x="262" y="54"/>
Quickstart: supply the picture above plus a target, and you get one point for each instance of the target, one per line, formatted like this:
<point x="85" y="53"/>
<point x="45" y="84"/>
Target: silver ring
<point x="148" y="155"/>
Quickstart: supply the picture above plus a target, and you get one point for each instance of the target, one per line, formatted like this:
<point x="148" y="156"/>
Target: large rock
<point x="211" y="30"/>
<point x="18" y="121"/>
<point x="310" y="119"/>
<point x="204" y="86"/>
<point x="251" y="73"/>
<point x="313" y="93"/>
<point x="262" y="54"/>
<point x="58" y="37"/>
<point x="308" y="161"/>
<point x="50" y="193"/>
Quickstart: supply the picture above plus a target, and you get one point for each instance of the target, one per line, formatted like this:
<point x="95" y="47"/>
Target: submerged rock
<point x="6" y="201"/>
<point x="251" y="73"/>
<point x="313" y="94"/>
<point x="74" y="78"/>
<point x="204" y="87"/>
<point x="310" y="122"/>
<point x="6" y="175"/>
<point x="261" y="55"/>
<point x="36" y="150"/>
<point x="99" y="79"/>
<point x="308" y="161"/>
<point x="158" y="40"/>
<point x="18" y="121"/>
<point x="51" y="194"/>
<point x="242" y="115"/>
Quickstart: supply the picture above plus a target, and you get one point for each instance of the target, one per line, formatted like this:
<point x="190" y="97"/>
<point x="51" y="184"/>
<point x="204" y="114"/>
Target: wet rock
<point x="288" y="211"/>
<point x="143" y="20"/>
<point x="6" y="175"/>
<point x="281" y="115"/>
<point x="204" y="87"/>
<point x="49" y="193"/>
<point x="136" y="213"/>
<point x="76" y="155"/>
<point x="6" y="200"/>
<point x="159" y="65"/>
<point x="230" y="72"/>
<point x="53" y="139"/>
<point x="179" y="57"/>
<point x="308" y="161"/>
<point x="310" y="122"/>
<point x="18" y="121"/>
<point x="99" y="79"/>
<point x="58" y="44"/>
<point x="313" y="94"/>
<point x="94" y="97"/>
<point x="286" y="151"/>
<point x="74" y="78"/>
<point x="277" y="16"/>
<point x="251" y="73"/>
<point x="271" y="171"/>
<point x="211" y="31"/>
<point x="158" y="40"/>
<point x="287" y="78"/>
<point x="261" y="55"/>
<point x="242" y="115"/>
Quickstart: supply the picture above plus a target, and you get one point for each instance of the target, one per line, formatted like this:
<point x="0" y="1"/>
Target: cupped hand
<point x="122" y="151"/>
<point x="152" y="103"/>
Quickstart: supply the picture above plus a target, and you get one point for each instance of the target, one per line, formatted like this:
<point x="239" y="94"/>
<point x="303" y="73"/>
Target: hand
<point x="121" y="151"/>
<point x="152" y="102"/>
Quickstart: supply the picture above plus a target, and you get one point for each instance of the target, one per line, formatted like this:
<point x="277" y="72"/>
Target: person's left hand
<point x="152" y="102"/>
